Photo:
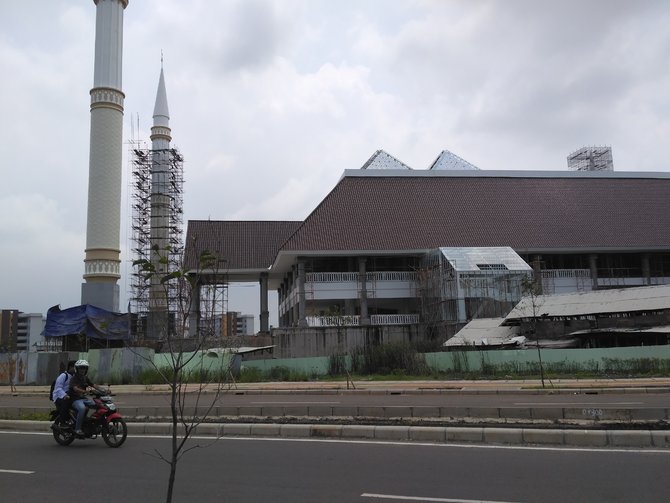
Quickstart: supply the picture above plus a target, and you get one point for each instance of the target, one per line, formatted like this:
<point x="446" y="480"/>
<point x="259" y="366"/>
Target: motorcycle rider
<point x="79" y="384"/>
<point x="60" y="395"/>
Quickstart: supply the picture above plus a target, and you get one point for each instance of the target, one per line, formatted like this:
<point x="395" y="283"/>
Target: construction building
<point x="355" y="260"/>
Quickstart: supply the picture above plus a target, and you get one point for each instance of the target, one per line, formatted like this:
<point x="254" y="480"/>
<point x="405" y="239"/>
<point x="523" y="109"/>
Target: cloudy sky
<point x="270" y="100"/>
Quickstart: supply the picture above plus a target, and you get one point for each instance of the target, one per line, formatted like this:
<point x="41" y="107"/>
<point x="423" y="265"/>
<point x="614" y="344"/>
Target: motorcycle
<point x="105" y="420"/>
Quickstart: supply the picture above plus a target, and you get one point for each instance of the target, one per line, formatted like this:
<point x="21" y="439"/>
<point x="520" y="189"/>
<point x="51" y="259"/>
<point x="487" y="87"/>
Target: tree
<point x="532" y="289"/>
<point x="186" y="373"/>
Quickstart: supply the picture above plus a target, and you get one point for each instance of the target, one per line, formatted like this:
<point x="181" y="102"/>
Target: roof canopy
<point x="499" y="259"/>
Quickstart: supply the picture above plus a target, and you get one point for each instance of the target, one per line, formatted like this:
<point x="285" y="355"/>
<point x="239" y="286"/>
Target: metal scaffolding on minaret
<point x="157" y="225"/>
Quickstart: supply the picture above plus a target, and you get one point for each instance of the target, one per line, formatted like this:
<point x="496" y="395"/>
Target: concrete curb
<point x="314" y="413"/>
<point x="448" y="434"/>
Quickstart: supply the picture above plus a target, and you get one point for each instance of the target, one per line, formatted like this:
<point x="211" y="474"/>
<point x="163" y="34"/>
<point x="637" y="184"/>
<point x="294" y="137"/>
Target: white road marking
<point x="419" y="498"/>
<point x="580" y="404"/>
<point x="294" y="403"/>
<point x="602" y="450"/>
<point x="20" y="472"/>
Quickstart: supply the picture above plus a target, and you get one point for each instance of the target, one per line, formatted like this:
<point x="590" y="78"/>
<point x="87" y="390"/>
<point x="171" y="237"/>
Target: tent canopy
<point x="88" y="320"/>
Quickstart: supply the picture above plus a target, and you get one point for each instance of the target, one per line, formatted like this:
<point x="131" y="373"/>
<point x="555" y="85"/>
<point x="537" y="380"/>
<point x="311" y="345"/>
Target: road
<point x="34" y="468"/>
<point x="629" y="400"/>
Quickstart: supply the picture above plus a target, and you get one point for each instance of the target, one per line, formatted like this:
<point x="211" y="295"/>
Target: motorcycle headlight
<point x="111" y="406"/>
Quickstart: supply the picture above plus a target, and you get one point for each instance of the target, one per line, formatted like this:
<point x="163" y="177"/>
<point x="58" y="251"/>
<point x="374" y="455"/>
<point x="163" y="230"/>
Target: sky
<point x="271" y="100"/>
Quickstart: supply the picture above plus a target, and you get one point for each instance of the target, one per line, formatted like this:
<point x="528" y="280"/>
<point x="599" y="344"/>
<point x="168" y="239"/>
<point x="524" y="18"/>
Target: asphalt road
<point x="629" y="400"/>
<point x="34" y="468"/>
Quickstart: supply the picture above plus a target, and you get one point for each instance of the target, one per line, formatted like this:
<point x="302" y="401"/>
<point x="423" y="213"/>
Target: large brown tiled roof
<point x="243" y="244"/>
<point x="524" y="212"/>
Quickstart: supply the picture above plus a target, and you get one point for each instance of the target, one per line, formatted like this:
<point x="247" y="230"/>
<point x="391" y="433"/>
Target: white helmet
<point x="81" y="363"/>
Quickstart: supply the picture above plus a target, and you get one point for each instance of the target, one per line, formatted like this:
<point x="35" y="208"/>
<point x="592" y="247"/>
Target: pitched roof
<point x="243" y="244"/>
<point x="383" y="160"/>
<point x="403" y="210"/>
<point x="449" y="160"/>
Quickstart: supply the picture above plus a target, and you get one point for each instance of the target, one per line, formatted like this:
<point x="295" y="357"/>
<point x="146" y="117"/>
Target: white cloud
<point x="36" y="252"/>
<point x="271" y="101"/>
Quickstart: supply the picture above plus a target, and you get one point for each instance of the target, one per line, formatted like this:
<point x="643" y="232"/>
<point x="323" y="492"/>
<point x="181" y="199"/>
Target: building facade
<point x="20" y="331"/>
<point x="357" y="258"/>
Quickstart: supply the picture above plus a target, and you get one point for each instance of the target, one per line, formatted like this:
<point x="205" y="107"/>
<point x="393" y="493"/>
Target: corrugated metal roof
<point x="625" y="300"/>
<point x="662" y="329"/>
<point x="483" y="332"/>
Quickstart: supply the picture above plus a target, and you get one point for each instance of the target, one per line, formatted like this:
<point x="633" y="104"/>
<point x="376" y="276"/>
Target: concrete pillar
<point x="646" y="269"/>
<point x="363" y="296"/>
<point x="302" y="320"/>
<point x="461" y="315"/>
<point x="593" y="265"/>
<point x="537" y="273"/>
<point x="265" y="326"/>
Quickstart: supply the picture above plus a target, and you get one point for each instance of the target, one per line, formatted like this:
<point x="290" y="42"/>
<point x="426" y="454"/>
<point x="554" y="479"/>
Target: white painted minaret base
<point x="103" y="223"/>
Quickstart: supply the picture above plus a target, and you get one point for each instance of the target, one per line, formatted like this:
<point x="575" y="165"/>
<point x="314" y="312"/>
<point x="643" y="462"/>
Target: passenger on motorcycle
<point x="79" y="384"/>
<point x="60" y="395"/>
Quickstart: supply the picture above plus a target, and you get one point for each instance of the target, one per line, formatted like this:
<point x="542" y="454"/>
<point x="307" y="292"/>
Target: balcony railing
<point x="333" y="321"/>
<point x="394" y="319"/>
<point x="354" y="321"/>
<point x="566" y="273"/>
<point x="339" y="277"/>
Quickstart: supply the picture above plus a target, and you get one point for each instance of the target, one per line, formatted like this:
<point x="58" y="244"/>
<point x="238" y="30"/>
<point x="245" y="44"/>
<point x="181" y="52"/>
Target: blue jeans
<point x="80" y="406"/>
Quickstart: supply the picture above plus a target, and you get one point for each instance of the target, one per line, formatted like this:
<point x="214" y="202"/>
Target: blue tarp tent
<point x="91" y="321"/>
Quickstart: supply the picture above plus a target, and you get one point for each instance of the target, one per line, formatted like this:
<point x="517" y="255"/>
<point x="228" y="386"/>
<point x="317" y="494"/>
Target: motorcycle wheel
<point x="63" y="437"/>
<point x="115" y="433"/>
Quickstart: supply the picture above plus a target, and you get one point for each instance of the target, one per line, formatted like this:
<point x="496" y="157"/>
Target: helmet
<point x="81" y="363"/>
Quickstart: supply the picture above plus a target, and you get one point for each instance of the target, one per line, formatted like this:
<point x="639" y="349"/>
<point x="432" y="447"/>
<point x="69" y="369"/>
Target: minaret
<point x="161" y="204"/>
<point x="102" y="261"/>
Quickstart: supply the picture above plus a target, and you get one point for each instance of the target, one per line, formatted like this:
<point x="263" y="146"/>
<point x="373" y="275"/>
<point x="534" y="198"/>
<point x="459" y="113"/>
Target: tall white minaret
<point x="161" y="204"/>
<point x="102" y="261"/>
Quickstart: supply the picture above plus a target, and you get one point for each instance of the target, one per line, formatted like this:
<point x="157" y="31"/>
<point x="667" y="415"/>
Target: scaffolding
<point x="591" y="159"/>
<point x="457" y="285"/>
<point x="157" y="182"/>
<point x="213" y="310"/>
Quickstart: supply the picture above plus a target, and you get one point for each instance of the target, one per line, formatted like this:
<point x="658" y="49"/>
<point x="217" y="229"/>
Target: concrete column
<point x="537" y="272"/>
<point x="593" y="265"/>
<point x="646" y="269"/>
<point x="194" y="311"/>
<point x="265" y="326"/>
<point x="461" y="315"/>
<point x="363" y="296"/>
<point x="302" y="320"/>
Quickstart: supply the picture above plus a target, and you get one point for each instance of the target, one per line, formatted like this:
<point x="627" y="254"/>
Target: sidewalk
<point x="654" y="384"/>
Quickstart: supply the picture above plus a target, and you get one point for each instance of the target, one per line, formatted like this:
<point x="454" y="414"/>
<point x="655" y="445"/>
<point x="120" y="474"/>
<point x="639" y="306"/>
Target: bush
<point x="393" y="358"/>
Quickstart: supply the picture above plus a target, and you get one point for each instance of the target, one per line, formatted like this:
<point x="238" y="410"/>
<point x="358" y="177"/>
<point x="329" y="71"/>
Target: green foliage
<point x="250" y="374"/>
<point x="337" y="364"/>
<point x="280" y="373"/>
<point x="26" y="416"/>
<point x="396" y="358"/>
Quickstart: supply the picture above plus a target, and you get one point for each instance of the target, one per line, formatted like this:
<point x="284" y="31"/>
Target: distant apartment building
<point x="20" y="331"/>
<point x="234" y="324"/>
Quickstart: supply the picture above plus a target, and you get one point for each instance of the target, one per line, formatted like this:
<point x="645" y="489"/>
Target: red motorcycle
<point x="105" y="420"/>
